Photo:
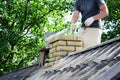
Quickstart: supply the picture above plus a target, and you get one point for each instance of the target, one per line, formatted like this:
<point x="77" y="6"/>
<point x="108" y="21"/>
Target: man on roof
<point x="92" y="11"/>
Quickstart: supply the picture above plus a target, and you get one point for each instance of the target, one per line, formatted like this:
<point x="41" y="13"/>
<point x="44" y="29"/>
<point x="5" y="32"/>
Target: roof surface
<point x="20" y="74"/>
<point x="95" y="63"/>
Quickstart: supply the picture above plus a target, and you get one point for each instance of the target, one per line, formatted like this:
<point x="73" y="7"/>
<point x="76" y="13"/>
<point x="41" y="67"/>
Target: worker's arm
<point x="75" y="17"/>
<point x="103" y="12"/>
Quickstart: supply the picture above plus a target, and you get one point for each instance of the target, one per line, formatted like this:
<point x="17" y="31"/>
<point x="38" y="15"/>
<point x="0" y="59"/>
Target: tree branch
<point x="45" y="14"/>
<point x="25" y="14"/>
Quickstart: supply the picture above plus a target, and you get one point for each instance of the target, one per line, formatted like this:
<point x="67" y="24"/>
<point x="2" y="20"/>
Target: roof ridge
<point x="97" y="46"/>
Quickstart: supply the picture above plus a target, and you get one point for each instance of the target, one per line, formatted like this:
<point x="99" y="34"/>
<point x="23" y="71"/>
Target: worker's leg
<point x="91" y="37"/>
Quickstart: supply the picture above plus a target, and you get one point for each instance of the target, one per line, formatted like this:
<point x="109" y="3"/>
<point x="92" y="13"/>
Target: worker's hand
<point x="72" y="27"/>
<point x="89" y="21"/>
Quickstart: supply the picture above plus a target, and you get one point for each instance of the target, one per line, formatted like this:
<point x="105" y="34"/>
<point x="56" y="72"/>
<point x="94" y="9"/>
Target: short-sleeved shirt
<point x="89" y="8"/>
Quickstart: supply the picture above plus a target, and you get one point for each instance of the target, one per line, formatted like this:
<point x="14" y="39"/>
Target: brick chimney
<point x="61" y="46"/>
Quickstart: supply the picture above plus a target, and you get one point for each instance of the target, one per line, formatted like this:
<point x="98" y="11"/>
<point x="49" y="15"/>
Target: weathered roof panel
<point x="95" y="63"/>
<point x="90" y="64"/>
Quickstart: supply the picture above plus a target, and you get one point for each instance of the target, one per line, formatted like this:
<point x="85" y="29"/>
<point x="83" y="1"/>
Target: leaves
<point x="112" y="22"/>
<point x="22" y="27"/>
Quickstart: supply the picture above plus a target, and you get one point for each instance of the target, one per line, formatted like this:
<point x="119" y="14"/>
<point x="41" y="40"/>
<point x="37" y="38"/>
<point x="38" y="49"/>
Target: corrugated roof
<point x="90" y="64"/>
<point x="95" y="63"/>
<point x="20" y="74"/>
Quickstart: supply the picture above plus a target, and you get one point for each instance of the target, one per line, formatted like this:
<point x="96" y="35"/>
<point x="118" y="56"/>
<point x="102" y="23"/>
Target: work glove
<point x="72" y="27"/>
<point x="89" y="21"/>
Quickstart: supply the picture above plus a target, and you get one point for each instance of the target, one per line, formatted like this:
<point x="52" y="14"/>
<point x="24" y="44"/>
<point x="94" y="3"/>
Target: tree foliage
<point x="22" y="27"/>
<point x="112" y="21"/>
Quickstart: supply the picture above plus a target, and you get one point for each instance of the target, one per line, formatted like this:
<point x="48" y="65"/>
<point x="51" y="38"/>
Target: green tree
<point x="22" y="27"/>
<point x="112" y="22"/>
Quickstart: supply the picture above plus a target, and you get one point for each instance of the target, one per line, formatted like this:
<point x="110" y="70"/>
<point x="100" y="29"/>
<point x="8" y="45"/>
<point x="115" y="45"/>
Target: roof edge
<point x="17" y="70"/>
<point x="99" y="45"/>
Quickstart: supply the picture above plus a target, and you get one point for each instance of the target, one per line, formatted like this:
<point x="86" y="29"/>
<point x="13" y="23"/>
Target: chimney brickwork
<point x="61" y="46"/>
